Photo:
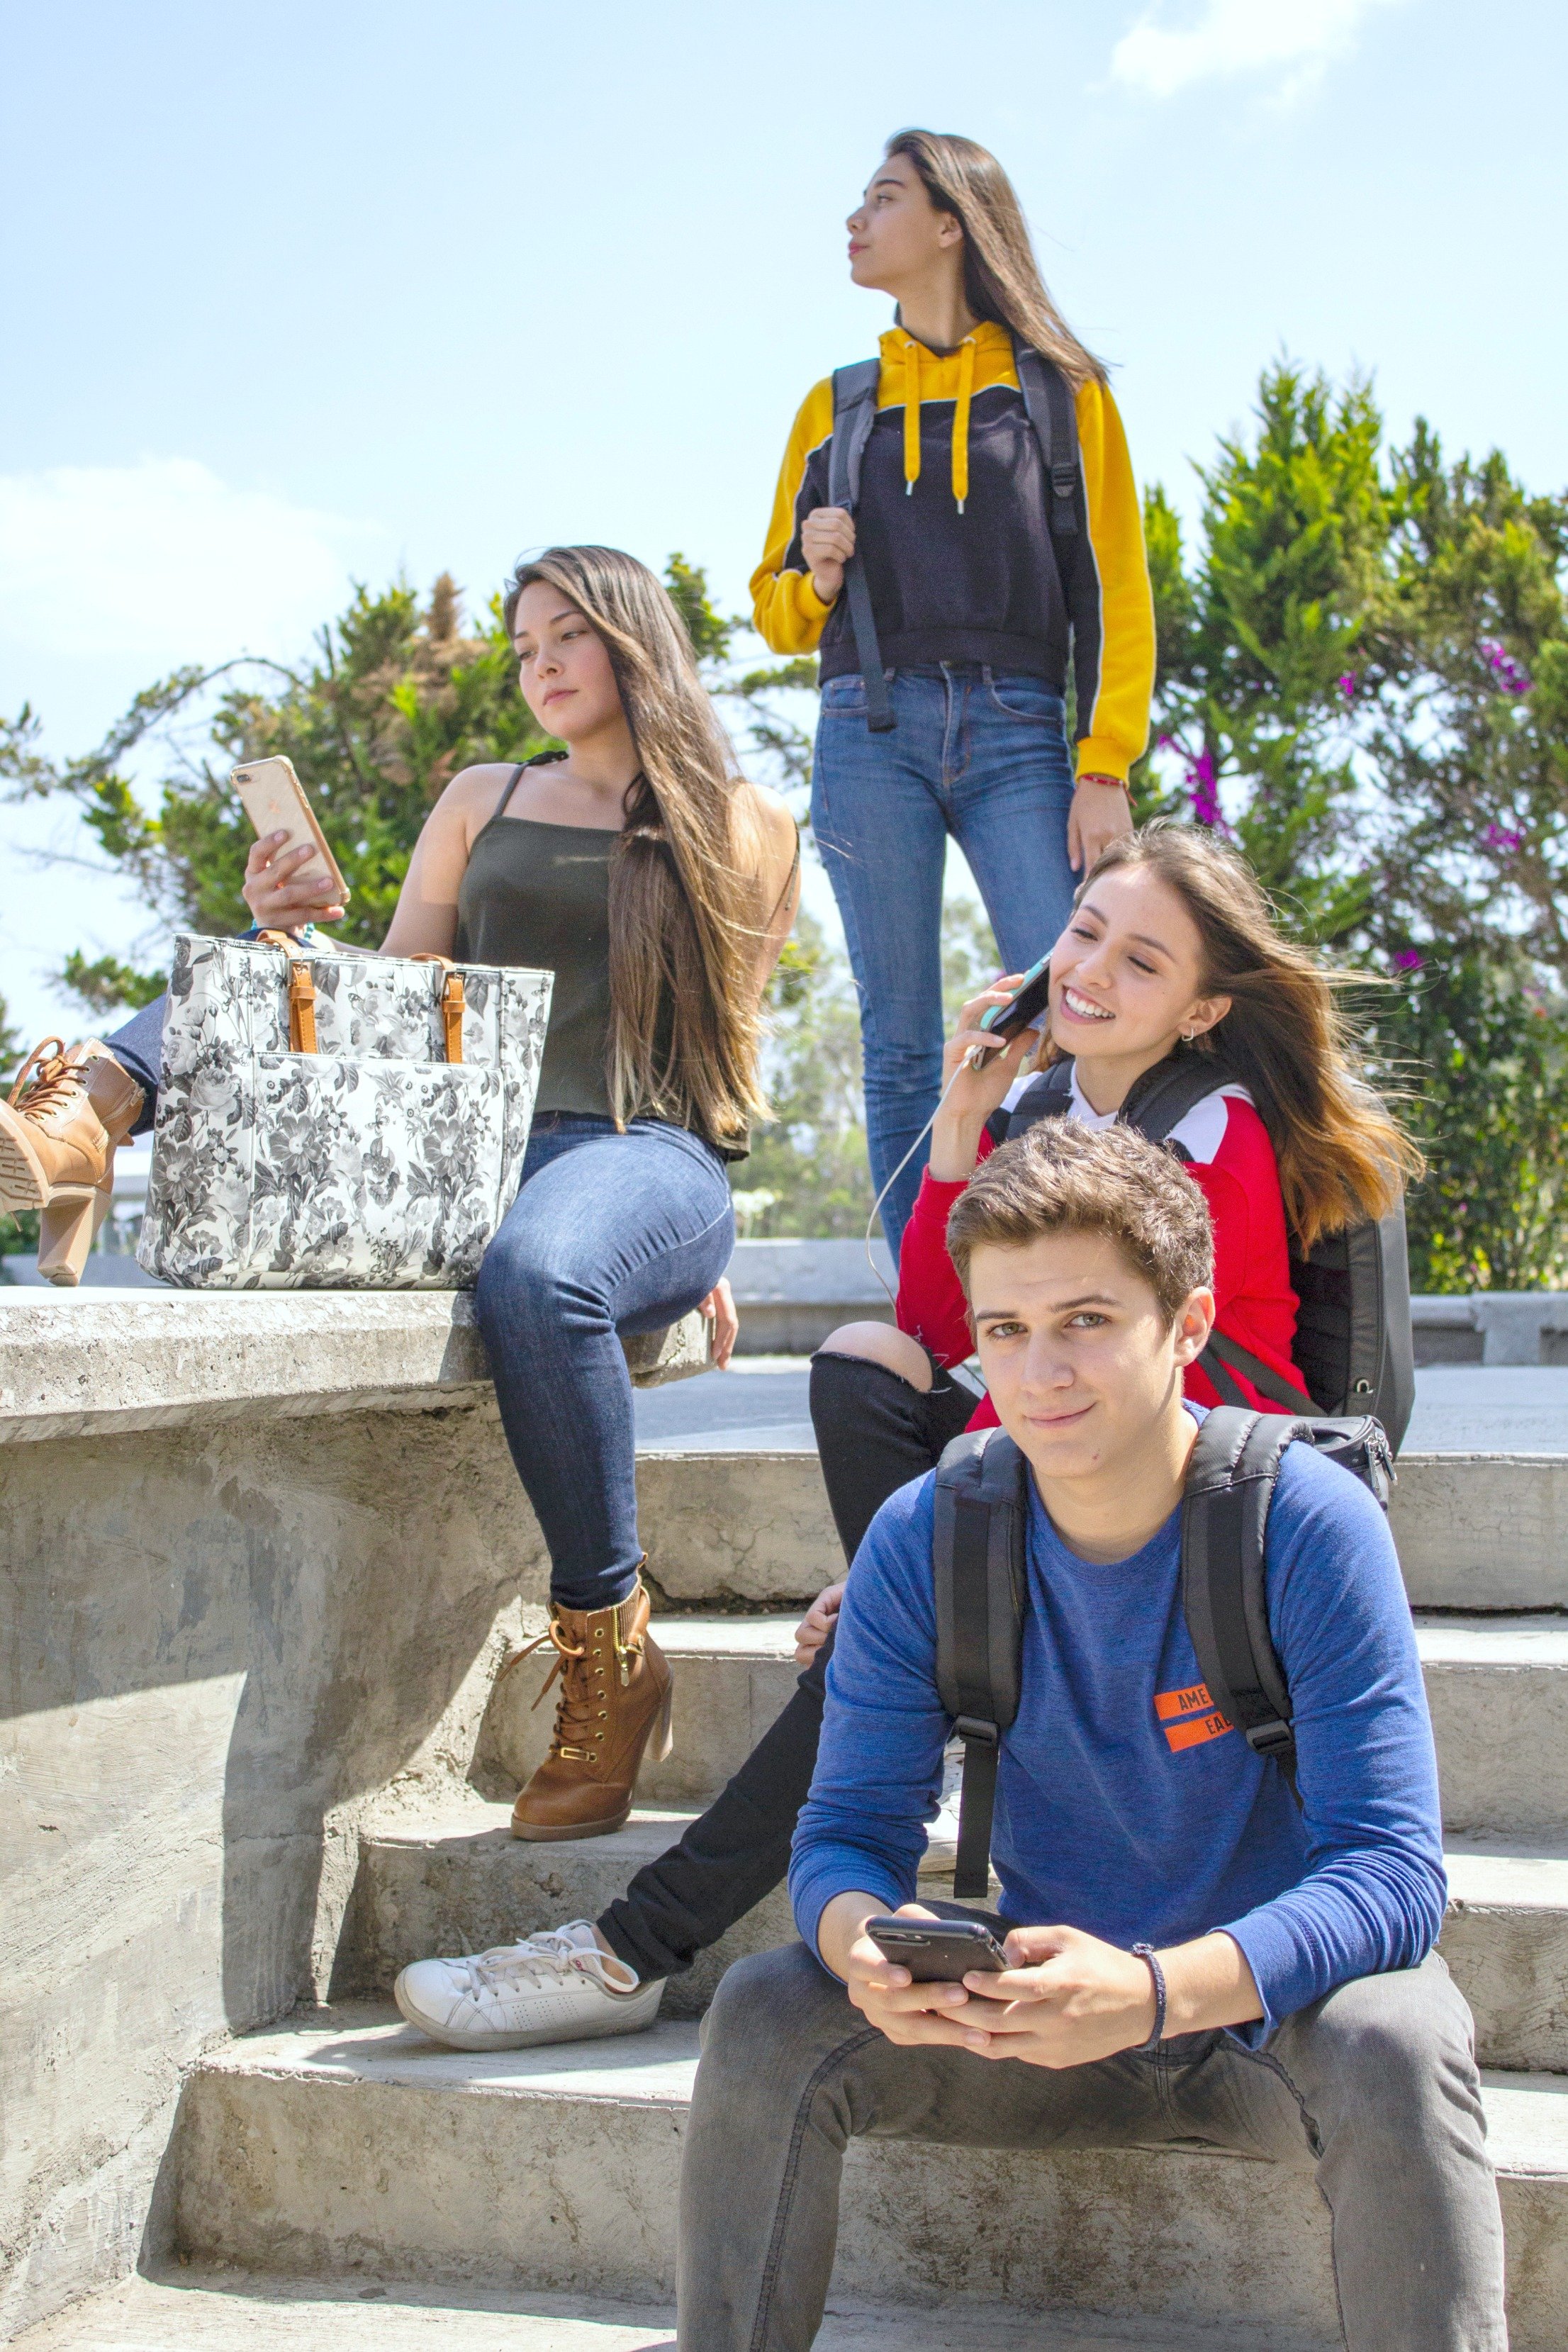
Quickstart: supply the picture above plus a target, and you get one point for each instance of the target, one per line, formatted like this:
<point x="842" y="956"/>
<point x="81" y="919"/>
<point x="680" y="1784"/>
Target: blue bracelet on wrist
<point x="1145" y="1952"/>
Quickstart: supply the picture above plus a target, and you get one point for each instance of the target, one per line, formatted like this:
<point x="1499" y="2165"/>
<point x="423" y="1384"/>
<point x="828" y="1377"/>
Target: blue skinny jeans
<point x="978" y="754"/>
<point x="609" y="1234"/>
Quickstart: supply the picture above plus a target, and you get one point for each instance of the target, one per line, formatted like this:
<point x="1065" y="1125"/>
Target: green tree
<point x="1364" y="682"/>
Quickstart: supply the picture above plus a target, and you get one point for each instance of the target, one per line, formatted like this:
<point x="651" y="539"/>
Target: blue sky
<point x="308" y="293"/>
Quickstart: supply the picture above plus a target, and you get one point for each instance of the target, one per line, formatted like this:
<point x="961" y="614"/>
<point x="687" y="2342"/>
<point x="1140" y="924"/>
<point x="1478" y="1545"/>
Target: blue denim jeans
<point x="139" y="1048"/>
<point x="978" y="754"/>
<point x="609" y="1234"/>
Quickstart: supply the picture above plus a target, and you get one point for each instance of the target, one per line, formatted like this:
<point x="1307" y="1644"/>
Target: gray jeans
<point x="1375" y="2087"/>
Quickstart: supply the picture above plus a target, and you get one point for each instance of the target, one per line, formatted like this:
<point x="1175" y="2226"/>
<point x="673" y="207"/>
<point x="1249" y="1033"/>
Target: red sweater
<point x="1231" y="1161"/>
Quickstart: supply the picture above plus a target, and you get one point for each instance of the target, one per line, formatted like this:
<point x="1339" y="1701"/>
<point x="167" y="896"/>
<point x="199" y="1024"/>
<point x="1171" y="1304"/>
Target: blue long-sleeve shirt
<point x="1120" y="1808"/>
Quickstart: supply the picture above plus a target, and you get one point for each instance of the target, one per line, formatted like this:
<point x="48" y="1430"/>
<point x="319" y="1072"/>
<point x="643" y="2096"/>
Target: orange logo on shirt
<point x="1201" y="1719"/>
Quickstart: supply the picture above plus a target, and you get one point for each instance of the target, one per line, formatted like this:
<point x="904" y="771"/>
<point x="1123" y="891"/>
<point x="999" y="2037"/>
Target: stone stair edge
<point x="173" y="2306"/>
<point x="1527" y="2111"/>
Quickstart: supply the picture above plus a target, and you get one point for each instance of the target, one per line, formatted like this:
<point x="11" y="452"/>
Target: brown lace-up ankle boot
<point x="615" y="1694"/>
<point x="65" y="1116"/>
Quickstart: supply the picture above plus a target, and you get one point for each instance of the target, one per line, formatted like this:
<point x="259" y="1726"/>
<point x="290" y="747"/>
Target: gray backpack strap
<point x="1225" y="1598"/>
<point x="1049" y="406"/>
<point x="980" y="1577"/>
<point x="854" y="414"/>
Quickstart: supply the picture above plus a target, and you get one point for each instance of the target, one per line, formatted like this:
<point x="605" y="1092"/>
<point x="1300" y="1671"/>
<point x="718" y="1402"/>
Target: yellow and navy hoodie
<point x="952" y="530"/>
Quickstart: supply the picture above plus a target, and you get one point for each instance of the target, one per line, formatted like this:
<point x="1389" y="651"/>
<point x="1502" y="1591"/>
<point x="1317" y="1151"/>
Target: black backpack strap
<point x="1159" y="1100"/>
<point x="980" y="1578"/>
<point x="1225" y="1522"/>
<point x="1047" y="1096"/>
<point x="1050" y="405"/>
<point x="1224" y="1357"/>
<point x="854" y="414"/>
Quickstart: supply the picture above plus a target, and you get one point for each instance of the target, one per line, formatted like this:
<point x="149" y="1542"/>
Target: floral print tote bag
<point x="334" y="1121"/>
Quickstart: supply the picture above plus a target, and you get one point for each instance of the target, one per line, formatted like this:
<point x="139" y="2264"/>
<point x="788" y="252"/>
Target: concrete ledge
<point x="1491" y="1327"/>
<point x="78" y="1363"/>
<point x="792" y="1293"/>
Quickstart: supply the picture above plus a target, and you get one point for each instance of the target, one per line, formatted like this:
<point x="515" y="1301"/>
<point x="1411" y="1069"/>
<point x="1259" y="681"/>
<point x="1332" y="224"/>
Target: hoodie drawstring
<point x="911" y="355"/>
<point x="912" y="415"/>
<point x="961" y="421"/>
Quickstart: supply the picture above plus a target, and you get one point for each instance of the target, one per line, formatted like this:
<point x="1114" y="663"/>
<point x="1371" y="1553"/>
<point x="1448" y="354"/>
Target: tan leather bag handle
<point x="452" y="1001"/>
<point x="301" y="992"/>
<point x="301" y="1009"/>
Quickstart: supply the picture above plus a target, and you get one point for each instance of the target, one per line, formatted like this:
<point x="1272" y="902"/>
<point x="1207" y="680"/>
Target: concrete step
<point x="345" y="2145"/>
<point x="1497" y="1690"/>
<point x="1483" y="1529"/>
<point x="236" y="2311"/>
<point x="460" y="1883"/>
<point x="1497" y="1686"/>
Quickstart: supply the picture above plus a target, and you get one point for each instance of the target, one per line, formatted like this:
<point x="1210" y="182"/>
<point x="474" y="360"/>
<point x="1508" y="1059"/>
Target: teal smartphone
<point x="1026" y="1008"/>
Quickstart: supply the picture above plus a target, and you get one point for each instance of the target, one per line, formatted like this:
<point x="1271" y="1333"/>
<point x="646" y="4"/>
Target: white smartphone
<point x="273" y="798"/>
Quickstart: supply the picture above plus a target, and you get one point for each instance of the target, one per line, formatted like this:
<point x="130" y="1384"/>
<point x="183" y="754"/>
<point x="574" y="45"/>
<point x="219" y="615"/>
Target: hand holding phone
<point x="938" y="1951"/>
<point x="1028" y="1008"/>
<point x="297" y="880"/>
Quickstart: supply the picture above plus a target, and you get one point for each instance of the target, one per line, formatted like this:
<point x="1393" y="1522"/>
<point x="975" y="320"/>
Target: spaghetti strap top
<point x="539" y="895"/>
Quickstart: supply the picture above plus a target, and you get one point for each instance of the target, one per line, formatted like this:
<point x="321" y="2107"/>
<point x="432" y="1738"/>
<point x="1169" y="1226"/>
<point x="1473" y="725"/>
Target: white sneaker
<point x="554" y="1986"/>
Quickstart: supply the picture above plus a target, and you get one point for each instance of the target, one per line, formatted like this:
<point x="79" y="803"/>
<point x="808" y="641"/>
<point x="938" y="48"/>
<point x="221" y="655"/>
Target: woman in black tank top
<point x="658" y="888"/>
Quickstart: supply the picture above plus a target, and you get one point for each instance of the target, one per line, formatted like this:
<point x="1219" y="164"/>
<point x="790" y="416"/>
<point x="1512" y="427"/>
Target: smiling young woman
<point x="1171" y="950"/>
<point x="981" y="572"/>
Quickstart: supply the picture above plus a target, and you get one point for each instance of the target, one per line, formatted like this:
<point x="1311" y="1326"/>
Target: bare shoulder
<point x="469" y="801"/>
<point x="772" y="828"/>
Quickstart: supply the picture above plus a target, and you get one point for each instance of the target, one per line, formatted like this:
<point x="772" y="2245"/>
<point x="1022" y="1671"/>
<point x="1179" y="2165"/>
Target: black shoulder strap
<point x="1047" y="1096"/>
<point x="1161" y="1099"/>
<point x="1048" y="404"/>
<point x="854" y="414"/>
<point x="980" y="1578"/>
<point x="1225" y="1523"/>
<point x="510" y="788"/>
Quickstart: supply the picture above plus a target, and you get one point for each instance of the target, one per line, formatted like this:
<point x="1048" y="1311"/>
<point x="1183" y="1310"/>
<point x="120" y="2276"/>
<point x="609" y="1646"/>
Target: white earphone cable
<point x="971" y="1061"/>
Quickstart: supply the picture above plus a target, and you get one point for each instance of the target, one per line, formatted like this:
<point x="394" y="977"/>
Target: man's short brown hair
<point x="1063" y="1177"/>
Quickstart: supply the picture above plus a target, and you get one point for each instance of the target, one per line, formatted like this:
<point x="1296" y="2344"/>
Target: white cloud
<point x="164" y="562"/>
<point x="1295" y="38"/>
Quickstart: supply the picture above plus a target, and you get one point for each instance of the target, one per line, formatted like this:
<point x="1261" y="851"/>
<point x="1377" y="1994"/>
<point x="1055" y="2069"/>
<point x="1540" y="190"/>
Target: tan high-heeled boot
<point x="65" y="1118"/>
<point x="615" y="1698"/>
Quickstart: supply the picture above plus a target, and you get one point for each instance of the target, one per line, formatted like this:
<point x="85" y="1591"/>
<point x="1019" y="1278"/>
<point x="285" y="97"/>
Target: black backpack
<point x="1048" y="404"/>
<point x="982" y="1583"/>
<point x="1353" y="1345"/>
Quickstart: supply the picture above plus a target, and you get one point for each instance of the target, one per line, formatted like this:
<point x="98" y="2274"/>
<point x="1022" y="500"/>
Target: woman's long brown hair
<point x="1341" y="1155"/>
<point x="685" y="1024"/>
<point x="1002" y="279"/>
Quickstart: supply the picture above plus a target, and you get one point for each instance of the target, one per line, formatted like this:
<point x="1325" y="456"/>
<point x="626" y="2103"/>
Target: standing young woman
<point x="979" y="571"/>
<point x="659" y="887"/>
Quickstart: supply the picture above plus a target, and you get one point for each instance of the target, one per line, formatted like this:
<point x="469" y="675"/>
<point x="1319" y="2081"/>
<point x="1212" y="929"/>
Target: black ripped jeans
<point x="874" y="1433"/>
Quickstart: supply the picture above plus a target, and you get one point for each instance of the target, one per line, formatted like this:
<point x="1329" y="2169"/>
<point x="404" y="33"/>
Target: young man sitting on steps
<point x="1289" y="1985"/>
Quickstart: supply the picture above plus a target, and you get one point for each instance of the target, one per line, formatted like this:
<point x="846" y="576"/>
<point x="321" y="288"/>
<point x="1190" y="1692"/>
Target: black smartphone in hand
<point x="938" y="1951"/>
